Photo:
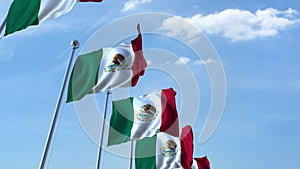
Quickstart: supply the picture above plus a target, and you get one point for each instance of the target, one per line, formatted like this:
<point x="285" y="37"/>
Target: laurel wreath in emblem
<point x="169" y="149"/>
<point x="117" y="63"/>
<point x="147" y="113"/>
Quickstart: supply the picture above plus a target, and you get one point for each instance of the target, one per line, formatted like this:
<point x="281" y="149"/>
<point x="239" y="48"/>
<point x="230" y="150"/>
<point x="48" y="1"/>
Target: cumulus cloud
<point x="204" y="62"/>
<point x="167" y="62"/>
<point x="177" y="27"/>
<point x="132" y="4"/>
<point x="186" y="60"/>
<point x="182" y="61"/>
<point x="234" y="24"/>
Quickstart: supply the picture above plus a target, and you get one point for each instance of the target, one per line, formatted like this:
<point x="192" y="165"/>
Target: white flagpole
<point x="102" y="131"/>
<point x="2" y="27"/>
<point x="131" y="154"/>
<point x="75" y="45"/>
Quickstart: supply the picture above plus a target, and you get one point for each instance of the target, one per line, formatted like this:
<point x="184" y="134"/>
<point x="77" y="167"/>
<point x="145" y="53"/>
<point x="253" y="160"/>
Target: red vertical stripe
<point x="203" y="163"/>
<point x="169" y="122"/>
<point x="139" y="63"/>
<point x="187" y="147"/>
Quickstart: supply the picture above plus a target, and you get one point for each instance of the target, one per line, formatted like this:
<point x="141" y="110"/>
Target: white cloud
<point x="182" y="61"/>
<point x="166" y="63"/>
<point x="132" y="4"/>
<point x="186" y="60"/>
<point x="179" y="61"/>
<point x="176" y="27"/>
<point x="149" y="62"/>
<point x="234" y="24"/>
<point x="204" y="62"/>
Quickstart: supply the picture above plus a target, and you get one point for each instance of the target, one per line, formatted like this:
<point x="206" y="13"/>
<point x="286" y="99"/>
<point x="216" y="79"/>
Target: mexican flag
<point x="107" y="69"/>
<point x="24" y="13"/>
<point x="161" y="151"/>
<point x="135" y="118"/>
<point x="187" y="148"/>
<point x="164" y="151"/>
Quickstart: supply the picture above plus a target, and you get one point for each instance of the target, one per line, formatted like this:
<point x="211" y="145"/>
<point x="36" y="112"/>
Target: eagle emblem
<point x="117" y="63"/>
<point x="147" y="113"/>
<point x="169" y="149"/>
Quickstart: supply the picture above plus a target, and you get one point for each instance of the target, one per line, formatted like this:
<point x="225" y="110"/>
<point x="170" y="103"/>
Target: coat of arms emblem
<point x="117" y="63"/>
<point x="169" y="149"/>
<point x="147" y="113"/>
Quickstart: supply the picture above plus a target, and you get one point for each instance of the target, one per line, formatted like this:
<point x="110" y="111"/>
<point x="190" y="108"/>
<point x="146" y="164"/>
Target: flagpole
<point x="2" y="27"/>
<point x="75" y="45"/>
<point x="102" y="130"/>
<point x="131" y="154"/>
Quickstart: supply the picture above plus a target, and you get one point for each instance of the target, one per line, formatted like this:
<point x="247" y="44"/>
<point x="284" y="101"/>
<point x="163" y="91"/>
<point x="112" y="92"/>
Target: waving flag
<point x="24" y="13"/>
<point x="201" y="163"/>
<point x="161" y="151"/>
<point x="119" y="68"/>
<point x="106" y="69"/>
<point x="144" y="116"/>
<point x="164" y="151"/>
<point x="187" y="148"/>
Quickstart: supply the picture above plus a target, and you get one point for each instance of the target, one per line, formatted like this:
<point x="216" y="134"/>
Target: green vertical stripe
<point x="21" y="14"/>
<point x="145" y="153"/>
<point x="121" y="121"/>
<point x="84" y="75"/>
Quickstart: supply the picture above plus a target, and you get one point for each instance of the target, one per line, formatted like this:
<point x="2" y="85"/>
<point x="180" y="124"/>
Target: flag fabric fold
<point x="24" y="13"/>
<point x="161" y="151"/>
<point x="84" y="75"/>
<point x="135" y="118"/>
<point x="139" y="63"/>
<point x="122" y="66"/>
<point x="164" y="151"/>
<point x="107" y="69"/>
<point x="201" y="163"/>
<point x="187" y="148"/>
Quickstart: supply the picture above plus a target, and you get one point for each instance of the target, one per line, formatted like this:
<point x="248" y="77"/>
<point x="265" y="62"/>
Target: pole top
<point x="75" y="44"/>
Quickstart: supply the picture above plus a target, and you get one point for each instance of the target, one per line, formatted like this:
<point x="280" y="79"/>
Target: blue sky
<point x="256" y="41"/>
